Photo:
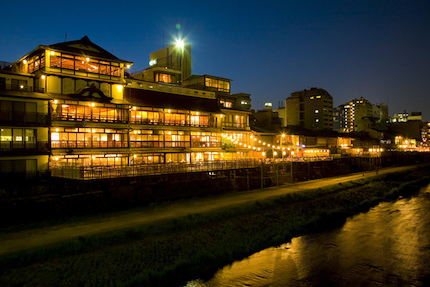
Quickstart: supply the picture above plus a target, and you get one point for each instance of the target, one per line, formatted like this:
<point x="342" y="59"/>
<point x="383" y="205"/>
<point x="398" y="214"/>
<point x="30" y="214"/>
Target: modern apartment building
<point x="356" y="115"/>
<point x="72" y="110"/>
<point x="311" y="109"/>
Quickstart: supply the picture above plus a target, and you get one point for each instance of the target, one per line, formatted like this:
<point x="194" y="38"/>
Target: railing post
<point x="262" y="174"/>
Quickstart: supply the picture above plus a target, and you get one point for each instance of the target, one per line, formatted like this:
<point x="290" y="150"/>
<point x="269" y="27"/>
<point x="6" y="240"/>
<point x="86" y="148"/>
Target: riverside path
<point x="11" y="242"/>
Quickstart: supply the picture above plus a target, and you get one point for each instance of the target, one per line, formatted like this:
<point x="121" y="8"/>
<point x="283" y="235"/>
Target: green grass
<point x="172" y="252"/>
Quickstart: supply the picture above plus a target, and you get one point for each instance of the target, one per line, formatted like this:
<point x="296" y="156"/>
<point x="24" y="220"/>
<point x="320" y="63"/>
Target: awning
<point x="155" y="99"/>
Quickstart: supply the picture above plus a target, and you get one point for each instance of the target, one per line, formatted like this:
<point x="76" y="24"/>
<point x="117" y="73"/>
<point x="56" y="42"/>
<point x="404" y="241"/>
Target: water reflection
<point x="387" y="246"/>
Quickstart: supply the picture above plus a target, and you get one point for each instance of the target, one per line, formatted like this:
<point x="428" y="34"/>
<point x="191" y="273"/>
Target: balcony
<point x="183" y="123"/>
<point x="105" y="172"/>
<point x="41" y="147"/>
<point x="24" y="118"/>
<point x="20" y="88"/>
<point x="88" y="144"/>
<point x="72" y="117"/>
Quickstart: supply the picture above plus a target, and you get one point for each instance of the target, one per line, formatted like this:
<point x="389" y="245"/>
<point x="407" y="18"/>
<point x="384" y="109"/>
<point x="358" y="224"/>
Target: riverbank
<point x="170" y="252"/>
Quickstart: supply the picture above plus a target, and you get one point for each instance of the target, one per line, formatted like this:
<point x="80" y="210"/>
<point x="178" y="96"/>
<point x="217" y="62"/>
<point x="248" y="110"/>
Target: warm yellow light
<point x="25" y="62"/>
<point x="275" y="153"/>
<point x="134" y="108"/>
<point x="87" y="59"/>
<point x="128" y="66"/>
<point x="263" y="153"/>
<point x="57" y="130"/>
<point x="283" y="135"/>
<point x="134" y="156"/>
<point x="119" y="88"/>
<point x="55" y="101"/>
<point x="43" y="77"/>
<point x="93" y="104"/>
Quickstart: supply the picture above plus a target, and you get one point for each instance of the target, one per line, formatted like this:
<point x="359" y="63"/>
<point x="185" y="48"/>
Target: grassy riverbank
<point x="169" y="253"/>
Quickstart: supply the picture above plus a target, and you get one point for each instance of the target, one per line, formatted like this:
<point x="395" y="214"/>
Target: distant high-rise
<point x="356" y="115"/>
<point x="311" y="109"/>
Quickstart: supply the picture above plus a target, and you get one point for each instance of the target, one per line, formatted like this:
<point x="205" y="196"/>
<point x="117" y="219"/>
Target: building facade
<point x="311" y="109"/>
<point x="355" y="115"/>
<point x="72" y="110"/>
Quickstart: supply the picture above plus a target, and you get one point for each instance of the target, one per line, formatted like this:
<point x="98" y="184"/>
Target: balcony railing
<point x="20" y="88"/>
<point x="88" y="144"/>
<point x="13" y="117"/>
<point x="170" y="123"/>
<point x="25" y="147"/>
<point x="104" y="172"/>
<point x="89" y="118"/>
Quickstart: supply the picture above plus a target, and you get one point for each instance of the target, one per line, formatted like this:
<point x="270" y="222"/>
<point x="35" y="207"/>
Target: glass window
<point x="6" y="135"/>
<point x="55" y="61"/>
<point x="80" y="63"/>
<point x="164" y="78"/>
<point x="68" y="62"/>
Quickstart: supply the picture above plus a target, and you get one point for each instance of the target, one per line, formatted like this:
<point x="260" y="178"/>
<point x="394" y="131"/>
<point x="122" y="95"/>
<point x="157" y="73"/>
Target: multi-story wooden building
<point x="72" y="110"/>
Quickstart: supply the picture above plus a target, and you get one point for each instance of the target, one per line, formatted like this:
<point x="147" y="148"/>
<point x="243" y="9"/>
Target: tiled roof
<point x="84" y="47"/>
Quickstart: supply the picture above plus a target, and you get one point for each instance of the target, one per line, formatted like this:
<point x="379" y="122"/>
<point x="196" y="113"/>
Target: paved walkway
<point x="32" y="238"/>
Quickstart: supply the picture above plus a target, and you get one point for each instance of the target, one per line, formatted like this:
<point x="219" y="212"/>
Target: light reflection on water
<point x="387" y="246"/>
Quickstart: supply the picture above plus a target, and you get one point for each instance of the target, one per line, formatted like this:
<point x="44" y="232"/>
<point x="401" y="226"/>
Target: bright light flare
<point x="180" y="44"/>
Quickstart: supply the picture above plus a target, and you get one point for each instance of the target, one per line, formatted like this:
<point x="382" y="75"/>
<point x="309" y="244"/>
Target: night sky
<point x="378" y="50"/>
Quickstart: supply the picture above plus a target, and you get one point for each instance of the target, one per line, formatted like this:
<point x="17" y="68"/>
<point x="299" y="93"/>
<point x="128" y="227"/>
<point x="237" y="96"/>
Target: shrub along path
<point x="11" y="242"/>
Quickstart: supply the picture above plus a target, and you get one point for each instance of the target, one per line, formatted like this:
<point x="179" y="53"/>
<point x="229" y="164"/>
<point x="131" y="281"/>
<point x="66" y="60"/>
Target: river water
<point x="387" y="246"/>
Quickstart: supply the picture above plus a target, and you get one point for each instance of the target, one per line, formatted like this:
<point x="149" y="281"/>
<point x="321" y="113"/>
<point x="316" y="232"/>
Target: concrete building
<point x="311" y="109"/>
<point x="356" y="115"/>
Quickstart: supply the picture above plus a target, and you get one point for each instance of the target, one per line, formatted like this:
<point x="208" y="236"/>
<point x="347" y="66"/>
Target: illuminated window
<point x="164" y="78"/>
<point x="83" y="64"/>
<point x="226" y="104"/>
<point x="218" y="84"/>
<point x="36" y="62"/>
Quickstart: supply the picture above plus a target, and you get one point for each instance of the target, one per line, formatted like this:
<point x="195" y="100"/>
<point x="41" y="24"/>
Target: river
<point x="387" y="246"/>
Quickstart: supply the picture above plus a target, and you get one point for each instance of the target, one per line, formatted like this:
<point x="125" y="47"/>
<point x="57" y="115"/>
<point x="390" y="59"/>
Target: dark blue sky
<point x="378" y="50"/>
